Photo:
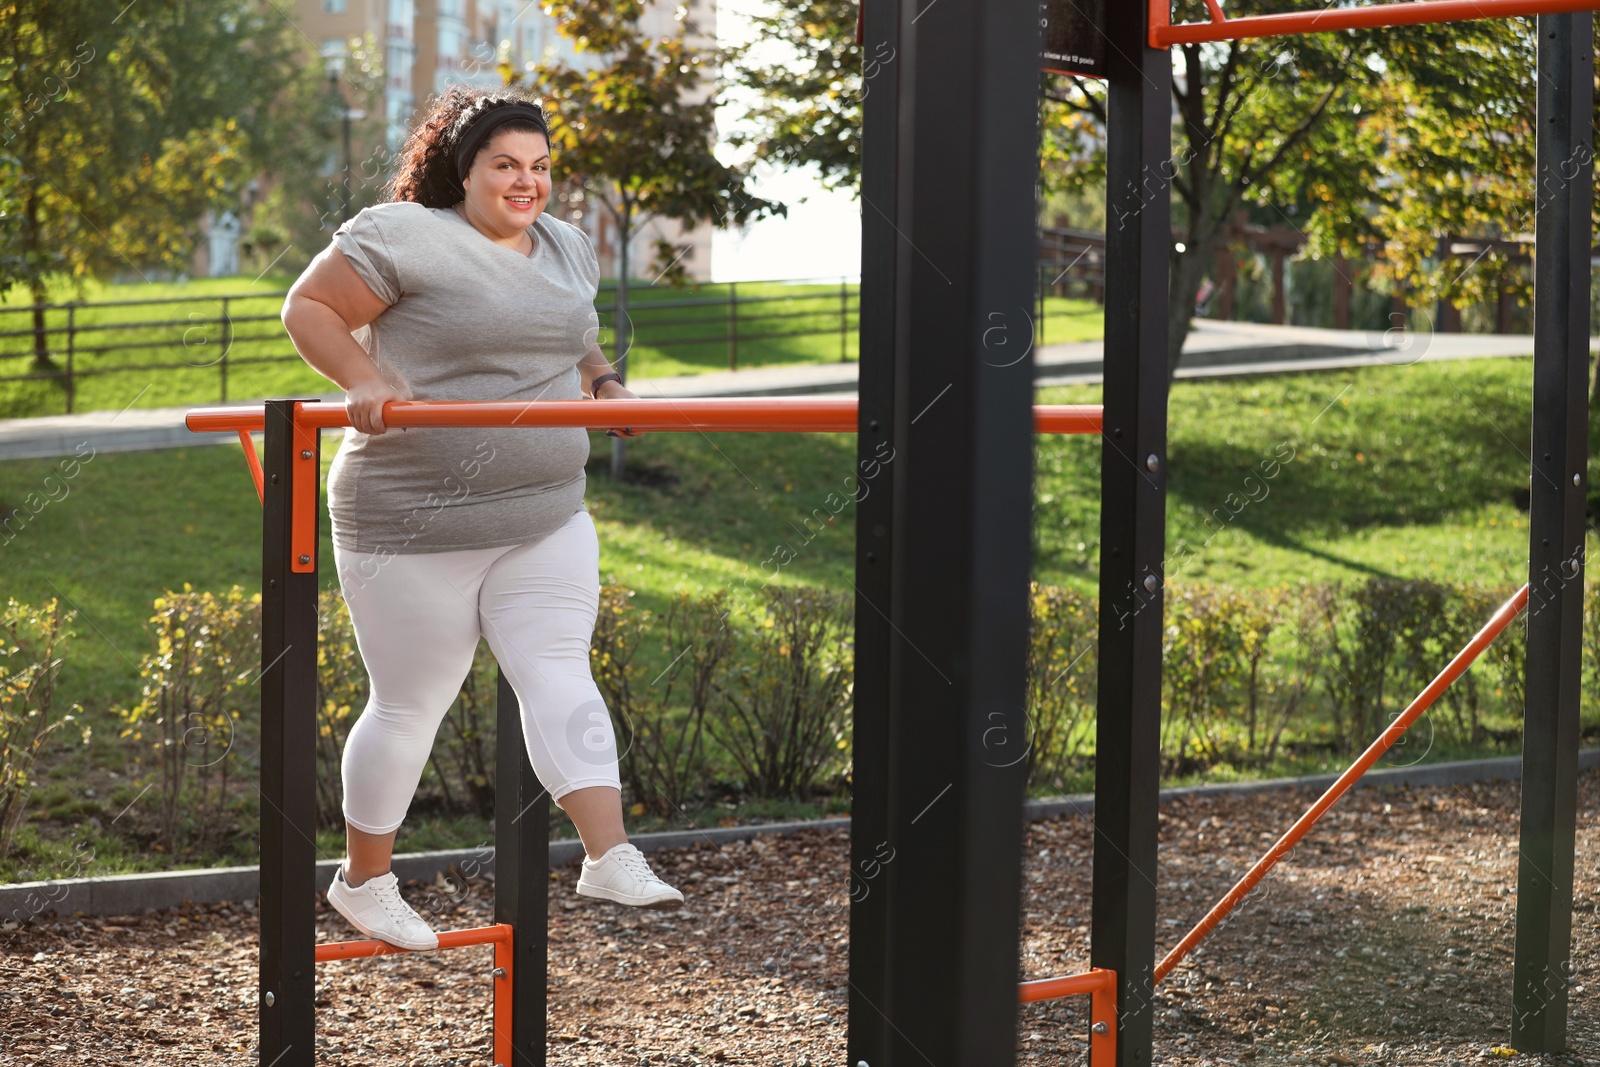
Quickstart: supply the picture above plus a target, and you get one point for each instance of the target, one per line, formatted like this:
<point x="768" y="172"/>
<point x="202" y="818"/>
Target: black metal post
<point x="844" y="321"/>
<point x="521" y="871"/>
<point x="227" y="343"/>
<point x="288" y="759"/>
<point x="960" y="229"/>
<point x="733" y="325"/>
<point x="1565" y="162"/>
<point x="72" y="346"/>
<point x="873" y="481"/>
<point x="1132" y="521"/>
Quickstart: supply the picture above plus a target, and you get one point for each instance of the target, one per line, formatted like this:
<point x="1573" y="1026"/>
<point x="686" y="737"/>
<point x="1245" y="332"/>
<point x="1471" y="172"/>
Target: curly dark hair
<point x="427" y="171"/>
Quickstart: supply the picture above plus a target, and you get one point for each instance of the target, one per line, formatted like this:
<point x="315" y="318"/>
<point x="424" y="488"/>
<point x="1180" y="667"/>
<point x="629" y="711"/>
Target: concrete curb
<point x="130" y="894"/>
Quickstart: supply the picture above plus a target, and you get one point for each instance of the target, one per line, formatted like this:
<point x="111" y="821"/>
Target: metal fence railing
<point x="61" y="347"/>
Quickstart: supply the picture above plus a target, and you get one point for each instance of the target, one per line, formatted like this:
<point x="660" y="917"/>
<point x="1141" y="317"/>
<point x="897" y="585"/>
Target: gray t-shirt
<point x="468" y="319"/>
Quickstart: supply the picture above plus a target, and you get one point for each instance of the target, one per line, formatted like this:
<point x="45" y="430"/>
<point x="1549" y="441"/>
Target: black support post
<point x="522" y="883"/>
<point x="1132" y="521"/>
<point x="873" y="482"/>
<point x="1556" y="532"/>
<point x="950" y="257"/>
<point x="288" y="759"/>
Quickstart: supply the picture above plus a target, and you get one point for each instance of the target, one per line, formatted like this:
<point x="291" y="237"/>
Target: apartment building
<point x="429" y="45"/>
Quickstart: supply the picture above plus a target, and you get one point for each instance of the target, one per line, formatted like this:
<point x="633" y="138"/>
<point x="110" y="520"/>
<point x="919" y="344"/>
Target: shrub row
<point x="706" y="705"/>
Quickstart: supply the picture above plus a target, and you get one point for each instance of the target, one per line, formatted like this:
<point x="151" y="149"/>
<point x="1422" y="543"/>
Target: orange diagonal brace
<point x="254" y="461"/>
<point x="1456" y="668"/>
<point x="1101" y="986"/>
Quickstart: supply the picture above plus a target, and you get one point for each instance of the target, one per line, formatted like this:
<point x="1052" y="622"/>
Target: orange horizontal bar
<point x="479" y="935"/>
<point x="1098" y="980"/>
<point x="736" y="414"/>
<point x="1453" y="670"/>
<point x="1369" y="16"/>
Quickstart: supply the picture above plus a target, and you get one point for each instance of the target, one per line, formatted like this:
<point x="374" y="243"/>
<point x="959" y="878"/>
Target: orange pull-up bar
<point x="741" y="414"/>
<point x="1455" y="669"/>
<point x="1369" y="16"/>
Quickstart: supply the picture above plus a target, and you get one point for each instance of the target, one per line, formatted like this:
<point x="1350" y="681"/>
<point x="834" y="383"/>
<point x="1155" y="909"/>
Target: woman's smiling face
<point x="509" y="182"/>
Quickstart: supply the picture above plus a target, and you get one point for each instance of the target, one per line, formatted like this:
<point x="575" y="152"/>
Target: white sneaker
<point x="376" y="909"/>
<point x="624" y="876"/>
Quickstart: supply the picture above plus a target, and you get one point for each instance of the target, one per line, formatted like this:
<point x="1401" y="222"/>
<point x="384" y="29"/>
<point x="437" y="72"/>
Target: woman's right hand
<point x="364" y="402"/>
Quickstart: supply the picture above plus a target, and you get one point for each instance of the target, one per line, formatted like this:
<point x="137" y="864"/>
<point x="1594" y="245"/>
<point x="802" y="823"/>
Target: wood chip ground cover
<point x="1386" y="938"/>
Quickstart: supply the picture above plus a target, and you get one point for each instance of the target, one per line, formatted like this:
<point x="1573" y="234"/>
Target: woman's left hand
<point x="615" y="390"/>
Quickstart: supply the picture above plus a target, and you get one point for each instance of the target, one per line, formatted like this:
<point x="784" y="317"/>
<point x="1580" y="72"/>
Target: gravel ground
<point x="1385" y="938"/>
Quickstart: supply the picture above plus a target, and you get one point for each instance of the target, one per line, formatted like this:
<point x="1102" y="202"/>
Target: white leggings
<point x="418" y="617"/>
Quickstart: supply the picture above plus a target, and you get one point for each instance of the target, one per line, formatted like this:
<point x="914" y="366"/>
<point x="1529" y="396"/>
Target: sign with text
<point x="1071" y="40"/>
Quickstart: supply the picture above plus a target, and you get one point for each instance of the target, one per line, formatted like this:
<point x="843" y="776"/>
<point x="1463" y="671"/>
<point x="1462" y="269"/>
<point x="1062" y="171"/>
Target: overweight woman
<point x="460" y="287"/>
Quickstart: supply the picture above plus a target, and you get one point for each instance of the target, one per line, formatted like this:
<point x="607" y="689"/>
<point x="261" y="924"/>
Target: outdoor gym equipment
<point x="288" y="484"/>
<point x="962" y="74"/>
<point x="949" y="161"/>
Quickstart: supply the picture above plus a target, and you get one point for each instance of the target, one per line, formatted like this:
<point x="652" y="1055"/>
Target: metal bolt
<point x="1151" y="463"/>
<point x="1150" y="583"/>
<point x="305" y="453"/>
<point x="270" y="999"/>
<point x="1577" y="479"/>
<point x="305" y="558"/>
<point x="1100" y="1028"/>
<point x="862" y="1063"/>
<point x="498" y="972"/>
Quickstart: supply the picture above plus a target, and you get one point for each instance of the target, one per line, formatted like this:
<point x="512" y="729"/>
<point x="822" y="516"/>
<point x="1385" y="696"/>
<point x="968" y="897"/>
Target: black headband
<point x="481" y="128"/>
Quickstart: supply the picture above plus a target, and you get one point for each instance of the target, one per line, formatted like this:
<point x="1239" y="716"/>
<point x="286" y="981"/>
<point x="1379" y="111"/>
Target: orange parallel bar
<point x="478" y="935"/>
<point x="736" y="414"/>
<point x="1070" y="986"/>
<point x="499" y="935"/>
<point x="1455" y="669"/>
<point x="1101" y="985"/>
<point x="1371" y="16"/>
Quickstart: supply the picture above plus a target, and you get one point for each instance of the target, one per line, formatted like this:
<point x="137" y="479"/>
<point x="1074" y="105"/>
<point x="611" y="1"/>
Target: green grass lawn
<point x="1396" y="477"/>
<point x="1405" y="472"/>
<point x="184" y="339"/>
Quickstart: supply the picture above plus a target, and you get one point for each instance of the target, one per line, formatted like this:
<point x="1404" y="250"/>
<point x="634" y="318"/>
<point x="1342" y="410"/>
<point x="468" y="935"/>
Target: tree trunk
<point x="30" y="248"/>
<point x="1183" y="285"/>
<point x="621" y="332"/>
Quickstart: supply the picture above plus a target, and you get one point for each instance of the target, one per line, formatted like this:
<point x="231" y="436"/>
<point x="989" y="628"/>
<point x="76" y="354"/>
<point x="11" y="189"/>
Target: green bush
<point x="699" y="699"/>
<point x="198" y="695"/>
<point x="31" y="640"/>
<point x="660" y="716"/>
<point x="1062" y="664"/>
<point x="783" y="708"/>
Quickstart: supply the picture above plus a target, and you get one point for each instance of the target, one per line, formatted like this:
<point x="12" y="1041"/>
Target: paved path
<point x="1213" y="349"/>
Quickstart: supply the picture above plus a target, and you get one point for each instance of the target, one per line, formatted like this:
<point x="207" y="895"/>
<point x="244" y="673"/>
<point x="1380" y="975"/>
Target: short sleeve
<point x="361" y="239"/>
<point x="591" y="265"/>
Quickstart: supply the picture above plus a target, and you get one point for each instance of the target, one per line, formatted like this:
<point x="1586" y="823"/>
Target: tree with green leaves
<point x="122" y="125"/>
<point x="1389" y="138"/>
<point x="1258" y="122"/>
<point x="808" y="77"/>
<point x="637" y="133"/>
<point x="1451" y="131"/>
